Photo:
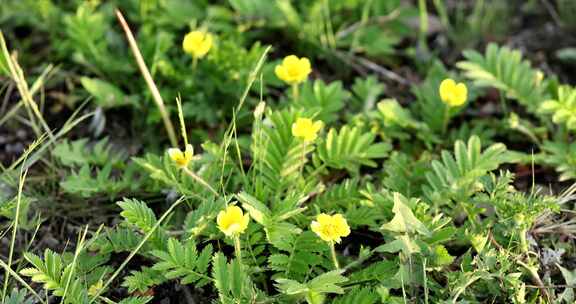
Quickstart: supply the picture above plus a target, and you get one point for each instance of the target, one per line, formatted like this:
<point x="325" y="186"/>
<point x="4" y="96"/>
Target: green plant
<point x="506" y="70"/>
<point x="363" y="183"/>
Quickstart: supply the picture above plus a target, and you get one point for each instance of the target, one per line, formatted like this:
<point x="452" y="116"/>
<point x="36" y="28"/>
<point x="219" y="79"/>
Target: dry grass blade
<point x="18" y="76"/>
<point x="148" y="78"/>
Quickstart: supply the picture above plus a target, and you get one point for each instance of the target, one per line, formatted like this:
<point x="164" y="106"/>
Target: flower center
<point x="293" y="70"/>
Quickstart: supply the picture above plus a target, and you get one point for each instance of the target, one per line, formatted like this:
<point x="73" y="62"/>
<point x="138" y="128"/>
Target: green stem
<point x="423" y="23"/>
<point x="237" y="248"/>
<point x="200" y="180"/>
<point x="303" y="159"/>
<point x="446" y="118"/>
<point x="334" y="258"/>
<point x="295" y="93"/>
<point x="194" y="63"/>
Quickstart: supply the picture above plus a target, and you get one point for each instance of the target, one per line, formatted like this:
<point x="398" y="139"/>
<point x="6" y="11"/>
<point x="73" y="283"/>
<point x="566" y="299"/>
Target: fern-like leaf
<point x="283" y="155"/>
<point x="143" y="280"/>
<point x="137" y="213"/>
<point x="563" y="107"/>
<point x="231" y="281"/>
<point x="349" y="149"/>
<point x="506" y="70"/>
<point x="456" y="175"/>
<point x="183" y="261"/>
<point x="55" y="277"/>
<point x="358" y="296"/>
<point x="323" y="100"/>
<point x="562" y="156"/>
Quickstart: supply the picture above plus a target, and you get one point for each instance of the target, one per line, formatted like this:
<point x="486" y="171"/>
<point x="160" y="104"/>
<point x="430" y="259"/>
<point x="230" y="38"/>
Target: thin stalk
<point x="148" y="78"/>
<point x="423" y="23"/>
<point x="35" y="87"/>
<point x="446" y="118"/>
<point x="18" y="76"/>
<point x="303" y="159"/>
<point x="295" y="92"/>
<point x="441" y="9"/>
<point x="79" y="248"/>
<point x="9" y="271"/>
<point x="425" y="282"/>
<point x="230" y="132"/>
<point x="23" y="174"/>
<point x="334" y="258"/>
<point x="363" y="22"/>
<point x="237" y="248"/>
<point x="200" y="180"/>
<point x="181" y="119"/>
<point x="135" y="251"/>
<point x="329" y="28"/>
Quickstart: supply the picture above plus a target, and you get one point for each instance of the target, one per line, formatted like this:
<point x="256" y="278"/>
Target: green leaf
<point x="506" y="70"/>
<point x="182" y="261"/>
<point x="328" y="282"/>
<point x="350" y="149"/>
<point x="322" y="100"/>
<point x="105" y="94"/>
<point x="404" y="220"/>
<point x="137" y="213"/>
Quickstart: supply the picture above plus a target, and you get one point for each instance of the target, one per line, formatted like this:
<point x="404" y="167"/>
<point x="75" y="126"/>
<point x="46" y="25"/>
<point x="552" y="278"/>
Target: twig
<point x="552" y="12"/>
<point x="536" y="279"/>
<point x="379" y="20"/>
<point x="148" y="78"/>
<point x="381" y="70"/>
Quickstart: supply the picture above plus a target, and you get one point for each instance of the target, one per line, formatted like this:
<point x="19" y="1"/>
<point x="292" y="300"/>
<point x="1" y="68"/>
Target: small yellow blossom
<point x="197" y="43"/>
<point x="538" y="77"/>
<point x="232" y="221"/>
<point x="330" y="228"/>
<point x="453" y="94"/>
<point x="293" y="70"/>
<point x="306" y="129"/>
<point x="182" y="159"/>
<point x="94" y="289"/>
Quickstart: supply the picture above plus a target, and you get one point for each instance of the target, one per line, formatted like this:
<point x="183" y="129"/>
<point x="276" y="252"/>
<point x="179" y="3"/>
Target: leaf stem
<point x="200" y="180"/>
<point x="334" y="259"/>
<point x="295" y="92"/>
<point x="446" y="118"/>
<point x="237" y="248"/>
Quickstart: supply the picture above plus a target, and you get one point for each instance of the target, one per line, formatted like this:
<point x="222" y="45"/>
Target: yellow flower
<point x="330" y="228"/>
<point x="197" y="43"/>
<point x="307" y="129"/>
<point x="232" y="221"/>
<point x="293" y="70"/>
<point x="453" y="94"/>
<point x="94" y="289"/>
<point x="182" y="159"/>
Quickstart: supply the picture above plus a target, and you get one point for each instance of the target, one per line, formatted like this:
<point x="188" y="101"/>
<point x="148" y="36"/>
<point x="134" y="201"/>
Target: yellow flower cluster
<point x="306" y="129"/>
<point x="181" y="158"/>
<point x="293" y="70"/>
<point x="453" y="94"/>
<point x="330" y="228"/>
<point x="197" y="43"/>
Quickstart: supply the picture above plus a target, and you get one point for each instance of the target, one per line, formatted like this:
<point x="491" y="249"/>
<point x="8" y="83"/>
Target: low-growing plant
<point x="288" y="176"/>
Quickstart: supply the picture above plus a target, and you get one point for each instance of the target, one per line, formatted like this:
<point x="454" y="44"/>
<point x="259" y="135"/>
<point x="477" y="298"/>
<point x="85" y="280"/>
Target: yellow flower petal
<point x="330" y="228"/>
<point x="197" y="43"/>
<point x="293" y="70"/>
<point x="182" y="159"/>
<point x="453" y="94"/>
<point x="280" y="72"/>
<point x="232" y="221"/>
<point x="306" y="129"/>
